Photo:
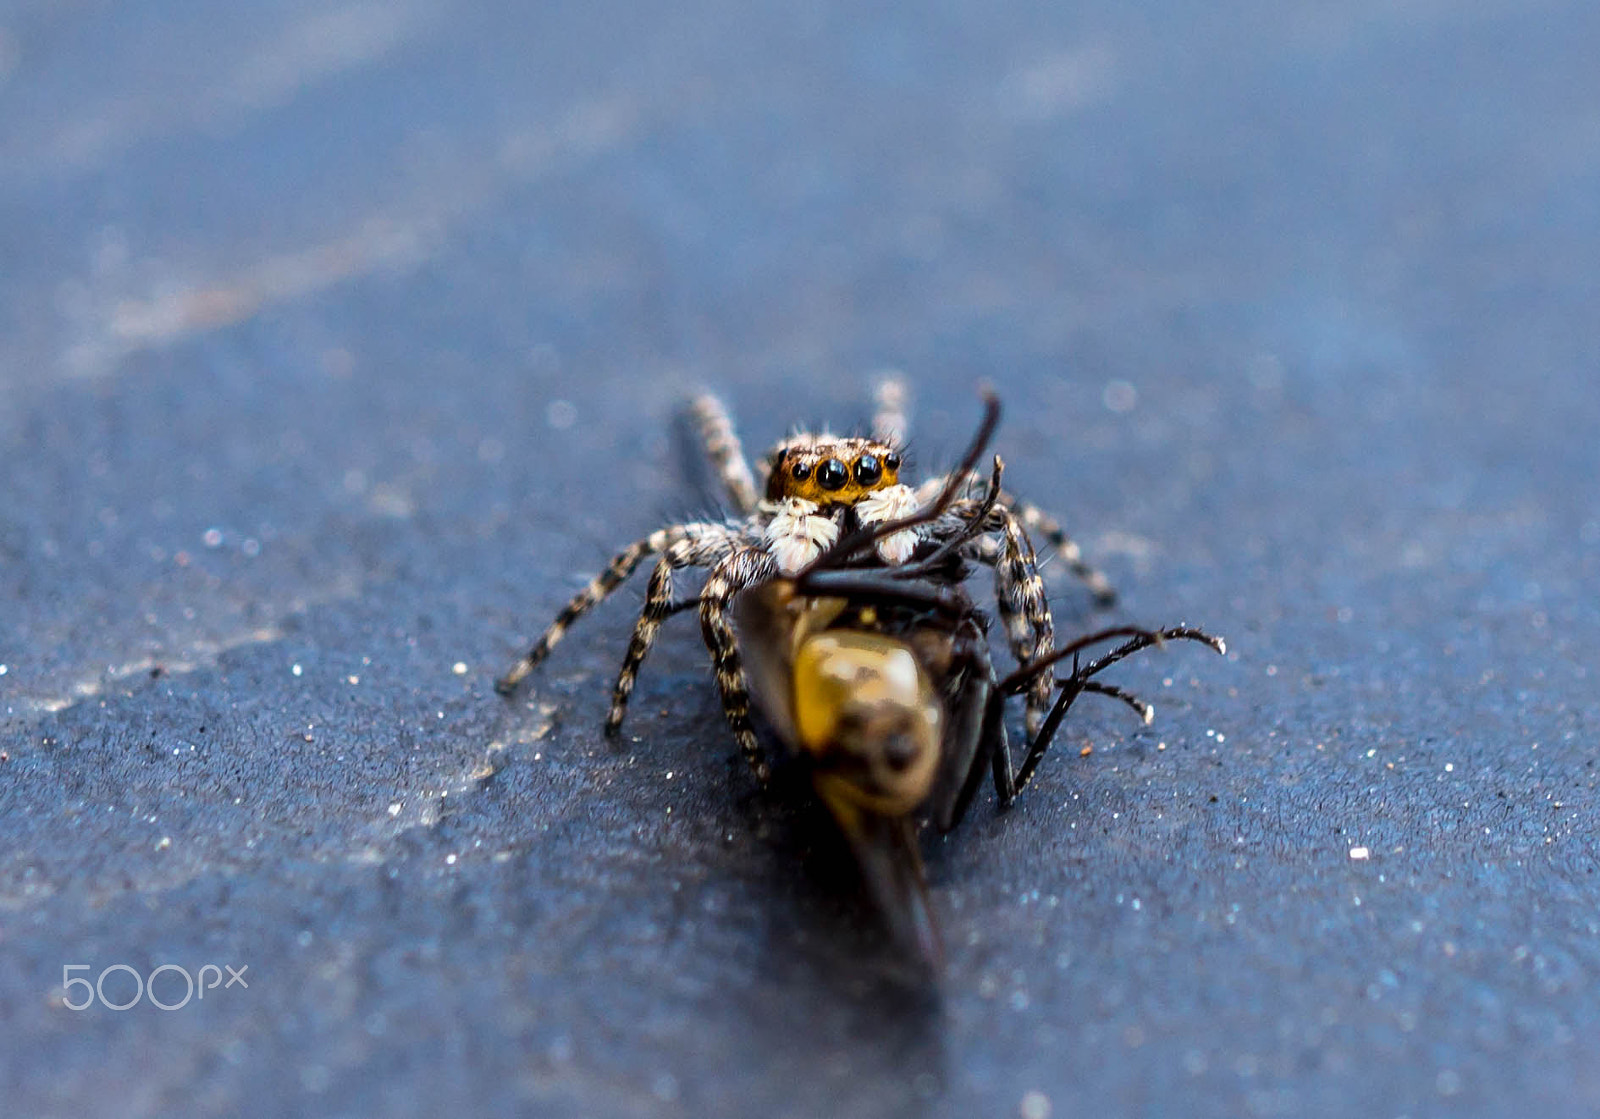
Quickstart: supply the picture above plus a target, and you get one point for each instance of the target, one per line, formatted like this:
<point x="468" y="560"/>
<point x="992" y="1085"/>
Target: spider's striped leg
<point x="622" y="566"/>
<point x="1019" y="592"/>
<point x="723" y="449"/>
<point x="1037" y="520"/>
<point x="889" y="414"/>
<point x="658" y="604"/>
<point x="737" y="571"/>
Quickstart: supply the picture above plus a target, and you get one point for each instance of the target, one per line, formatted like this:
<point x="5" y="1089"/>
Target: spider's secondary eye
<point x="868" y="470"/>
<point x="801" y="471"/>
<point x="891" y="461"/>
<point x="832" y="474"/>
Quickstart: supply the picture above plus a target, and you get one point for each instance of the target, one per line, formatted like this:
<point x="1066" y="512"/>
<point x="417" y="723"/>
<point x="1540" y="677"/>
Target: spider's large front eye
<point x="801" y="471"/>
<point x="891" y="461"/>
<point x="868" y="470"/>
<point x="832" y="474"/>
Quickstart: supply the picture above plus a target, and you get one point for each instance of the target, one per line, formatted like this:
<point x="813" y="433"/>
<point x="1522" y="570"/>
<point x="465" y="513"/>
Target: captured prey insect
<point x="815" y="489"/>
<point x="879" y="683"/>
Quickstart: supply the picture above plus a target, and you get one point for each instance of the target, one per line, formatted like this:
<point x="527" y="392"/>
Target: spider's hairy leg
<point x="658" y="605"/>
<point x="723" y="449"/>
<point x="615" y="574"/>
<point x="889" y="411"/>
<point x="737" y="571"/>
<point x="1019" y="592"/>
<point x="1038" y="521"/>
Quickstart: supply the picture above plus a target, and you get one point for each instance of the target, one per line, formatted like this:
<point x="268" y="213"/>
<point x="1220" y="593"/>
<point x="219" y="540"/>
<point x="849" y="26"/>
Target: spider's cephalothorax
<point x="816" y="482"/>
<point x="817" y="490"/>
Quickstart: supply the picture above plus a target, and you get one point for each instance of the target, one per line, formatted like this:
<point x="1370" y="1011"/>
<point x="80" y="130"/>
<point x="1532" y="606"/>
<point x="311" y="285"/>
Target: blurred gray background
<point x="339" y="343"/>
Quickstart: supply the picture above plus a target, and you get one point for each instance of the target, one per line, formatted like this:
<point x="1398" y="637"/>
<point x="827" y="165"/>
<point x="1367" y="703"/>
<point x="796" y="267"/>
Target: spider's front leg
<point x="600" y="587"/>
<point x="892" y="503"/>
<point x="738" y="571"/>
<point x="699" y="551"/>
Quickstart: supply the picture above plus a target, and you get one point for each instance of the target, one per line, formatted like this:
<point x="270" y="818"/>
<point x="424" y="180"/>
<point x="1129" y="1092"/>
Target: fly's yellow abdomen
<point x="867" y="714"/>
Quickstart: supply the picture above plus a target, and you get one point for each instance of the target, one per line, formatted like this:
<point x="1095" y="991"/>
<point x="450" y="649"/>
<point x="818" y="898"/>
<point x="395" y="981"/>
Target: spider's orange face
<point x="831" y="471"/>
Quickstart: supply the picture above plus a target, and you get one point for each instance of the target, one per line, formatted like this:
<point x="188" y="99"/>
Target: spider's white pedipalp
<point x="891" y="504"/>
<point x="798" y="533"/>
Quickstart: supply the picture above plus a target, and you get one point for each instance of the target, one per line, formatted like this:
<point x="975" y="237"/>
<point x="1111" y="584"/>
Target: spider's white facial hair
<point x="890" y="504"/>
<point x="798" y="534"/>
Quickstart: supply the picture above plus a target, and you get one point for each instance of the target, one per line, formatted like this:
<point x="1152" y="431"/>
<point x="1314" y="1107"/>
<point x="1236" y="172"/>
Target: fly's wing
<point x="773" y="622"/>
<point x="971" y="736"/>
<point x="766" y="625"/>
<point x="886" y="852"/>
<point x="965" y="751"/>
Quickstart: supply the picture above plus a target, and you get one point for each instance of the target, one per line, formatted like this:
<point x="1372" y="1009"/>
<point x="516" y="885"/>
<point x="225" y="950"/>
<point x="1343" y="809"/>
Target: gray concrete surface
<point x="339" y="343"/>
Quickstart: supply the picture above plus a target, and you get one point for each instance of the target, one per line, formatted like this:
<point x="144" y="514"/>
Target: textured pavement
<point x="340" y="343"/>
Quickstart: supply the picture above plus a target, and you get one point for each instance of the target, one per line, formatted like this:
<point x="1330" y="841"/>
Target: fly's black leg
<point x="1145" y="711"/>
<point x="1081" y="680"/>
<point x="1142" y="638"/>
<point x="868" y="584"/>
<point x="1070" y="691"/>
<point x="1148" y="638"/>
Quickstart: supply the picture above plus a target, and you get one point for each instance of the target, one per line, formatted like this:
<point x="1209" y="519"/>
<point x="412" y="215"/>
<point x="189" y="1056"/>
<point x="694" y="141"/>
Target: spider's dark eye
<point x="832" y="474"/>
<point x="801" y="471"/>
<point x="891" y="461"/>
<point x="868" y="470"/>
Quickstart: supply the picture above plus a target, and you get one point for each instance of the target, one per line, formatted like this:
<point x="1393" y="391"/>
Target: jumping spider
<point x="816" y="489"/>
